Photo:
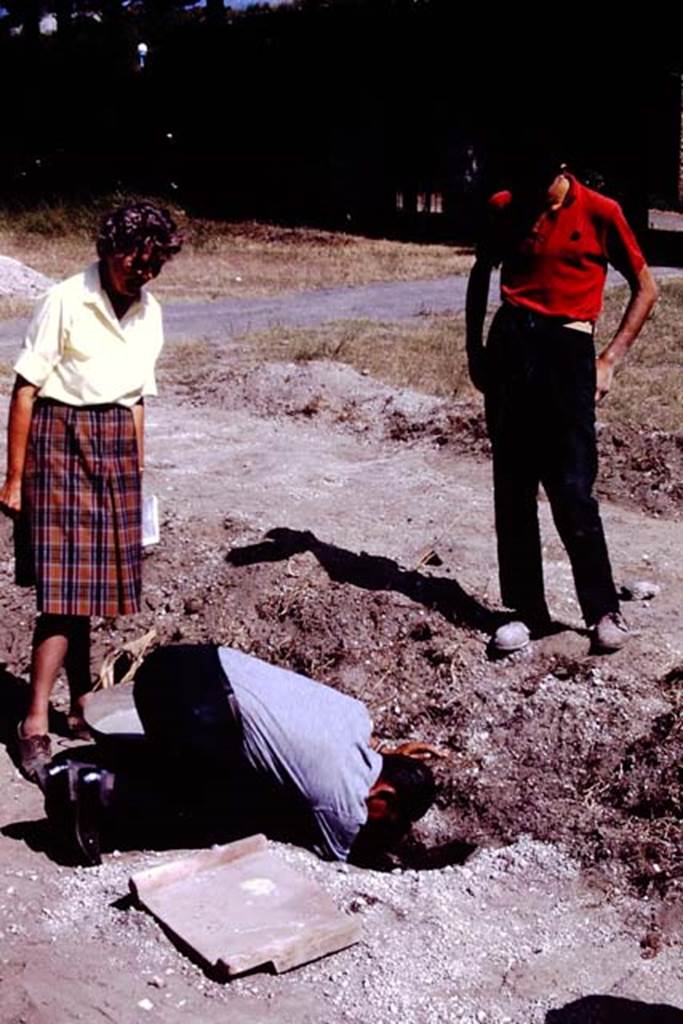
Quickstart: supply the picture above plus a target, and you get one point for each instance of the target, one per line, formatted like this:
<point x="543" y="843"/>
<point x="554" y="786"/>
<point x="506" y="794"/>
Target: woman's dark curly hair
<point x="138" y="226"/>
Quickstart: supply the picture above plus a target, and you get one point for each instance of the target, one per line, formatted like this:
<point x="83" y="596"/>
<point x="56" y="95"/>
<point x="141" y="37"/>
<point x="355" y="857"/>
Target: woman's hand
<point x="20" y="414"/>
<point x="10" y="497"/>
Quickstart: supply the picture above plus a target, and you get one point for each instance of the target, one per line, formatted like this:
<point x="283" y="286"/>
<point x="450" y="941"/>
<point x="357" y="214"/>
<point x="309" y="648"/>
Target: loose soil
<point x="300" y="504"/>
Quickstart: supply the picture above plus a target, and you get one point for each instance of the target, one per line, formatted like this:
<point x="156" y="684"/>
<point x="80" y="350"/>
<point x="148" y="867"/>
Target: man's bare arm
<point x="475" y="314"/>
<point x="20" y="414"/>
<point x="643" y="297"/>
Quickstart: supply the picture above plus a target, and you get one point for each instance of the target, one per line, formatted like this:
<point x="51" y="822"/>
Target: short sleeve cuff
<point x="33" y="367"/>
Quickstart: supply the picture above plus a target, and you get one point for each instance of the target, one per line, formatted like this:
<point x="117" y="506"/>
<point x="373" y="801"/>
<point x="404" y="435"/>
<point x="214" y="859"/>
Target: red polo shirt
<point x="558" y="265"/>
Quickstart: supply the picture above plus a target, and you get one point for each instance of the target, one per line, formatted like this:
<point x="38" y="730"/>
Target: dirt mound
<point x="571" y="750"/>
<point x="642" y="469"/>
<point x="332" y="393"/>
<point x="638" y="469"/>
<point x="18" y="279"/>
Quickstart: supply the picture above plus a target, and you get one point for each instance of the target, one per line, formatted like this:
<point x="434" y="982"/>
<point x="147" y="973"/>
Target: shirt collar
<point x="95" y="295"/>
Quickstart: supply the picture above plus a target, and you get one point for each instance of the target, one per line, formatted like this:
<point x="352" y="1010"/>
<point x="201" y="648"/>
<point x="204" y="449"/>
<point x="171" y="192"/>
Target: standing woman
<point x="75" y="455"/>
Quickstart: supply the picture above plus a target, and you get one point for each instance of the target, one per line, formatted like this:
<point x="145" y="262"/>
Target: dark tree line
<point x="28" y="13"/>
<point x="318" y="110"/>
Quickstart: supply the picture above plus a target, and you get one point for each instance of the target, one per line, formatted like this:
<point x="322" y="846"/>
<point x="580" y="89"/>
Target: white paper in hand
<point x="150" y="521"/>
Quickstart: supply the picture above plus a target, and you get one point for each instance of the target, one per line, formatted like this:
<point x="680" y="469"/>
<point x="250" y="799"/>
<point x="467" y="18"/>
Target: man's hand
<point x="604" y="373"/>
<point x="643" y="298"/>
<point x="476" y="363"/>
<point x="411" y="748"/>
<point x="475" y="314"/>
<point x="10" y="497"/>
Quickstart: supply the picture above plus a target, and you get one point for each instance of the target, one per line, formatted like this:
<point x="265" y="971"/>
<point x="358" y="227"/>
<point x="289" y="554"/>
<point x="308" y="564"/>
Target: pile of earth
<point x="639" y="468"/>
<point x="552" y="744"/>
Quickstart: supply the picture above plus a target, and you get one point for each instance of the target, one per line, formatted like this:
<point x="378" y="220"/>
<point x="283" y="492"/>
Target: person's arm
<point x="643" y="298"/>
<point x="475" y="315"/>
<point x="139" y="421"/>
<point x="20" y="414"/>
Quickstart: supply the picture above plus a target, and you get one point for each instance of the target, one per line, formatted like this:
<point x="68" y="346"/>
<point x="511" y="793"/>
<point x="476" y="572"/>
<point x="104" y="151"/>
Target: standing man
<point x="553" y="239"/>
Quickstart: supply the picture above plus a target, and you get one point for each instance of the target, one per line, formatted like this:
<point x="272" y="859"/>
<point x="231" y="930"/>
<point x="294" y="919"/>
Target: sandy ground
<point x="544" y="888"/>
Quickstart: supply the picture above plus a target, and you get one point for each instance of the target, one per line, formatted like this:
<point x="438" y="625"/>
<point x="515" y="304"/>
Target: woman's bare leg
<point x="50" y="644"/>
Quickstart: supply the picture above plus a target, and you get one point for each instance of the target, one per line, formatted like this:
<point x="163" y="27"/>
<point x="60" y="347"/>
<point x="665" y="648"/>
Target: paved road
<point x="223" y="319"/>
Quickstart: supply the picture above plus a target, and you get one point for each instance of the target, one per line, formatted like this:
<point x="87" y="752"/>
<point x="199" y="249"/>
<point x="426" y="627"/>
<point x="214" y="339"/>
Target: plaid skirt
<point x="79" y="536"/>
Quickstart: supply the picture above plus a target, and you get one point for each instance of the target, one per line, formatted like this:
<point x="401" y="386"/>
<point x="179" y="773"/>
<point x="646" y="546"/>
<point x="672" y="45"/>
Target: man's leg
<point x="579" y="525"/>
<point x="181" y="787"/>
<point x="514" y="435"/>
<point x="147" y="804"/>
<point x="518" y="537"/>
<point x="192" y="723"/>
<point x="569" y="474"/>
<point x="186" y="704"/>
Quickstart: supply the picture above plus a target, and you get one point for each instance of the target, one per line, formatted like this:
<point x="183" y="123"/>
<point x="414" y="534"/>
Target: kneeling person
<point x="237" y="745"/>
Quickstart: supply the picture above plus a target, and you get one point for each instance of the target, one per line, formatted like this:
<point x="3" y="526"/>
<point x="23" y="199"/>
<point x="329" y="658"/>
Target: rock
<point x="639" y="590"/>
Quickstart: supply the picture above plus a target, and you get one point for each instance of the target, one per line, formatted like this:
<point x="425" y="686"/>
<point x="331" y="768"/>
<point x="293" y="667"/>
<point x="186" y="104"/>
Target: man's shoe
<point x="74" y="808"/>
<point x="33" y="754"/>
<point x="513" y="636"/>
<point x="610" y="633"/>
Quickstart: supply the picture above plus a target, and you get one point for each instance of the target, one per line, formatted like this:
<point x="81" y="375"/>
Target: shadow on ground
<point x="372" y="572"/>
<point x="612" y="1010"/>
<point x="13" y="704"/>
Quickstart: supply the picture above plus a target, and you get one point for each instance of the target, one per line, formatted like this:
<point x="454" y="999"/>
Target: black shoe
<point x="73" y="805"/>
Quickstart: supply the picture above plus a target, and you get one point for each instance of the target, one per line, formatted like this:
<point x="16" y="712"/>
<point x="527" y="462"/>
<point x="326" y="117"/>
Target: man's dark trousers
<point x="540" y="411"/>
<point x="188" y="777"/>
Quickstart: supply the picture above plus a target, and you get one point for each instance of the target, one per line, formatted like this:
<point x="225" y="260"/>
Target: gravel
<point x="433" y="941"/>
<point x="18" y="279"/>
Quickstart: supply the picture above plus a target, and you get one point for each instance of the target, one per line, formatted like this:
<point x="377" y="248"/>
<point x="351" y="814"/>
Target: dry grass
<point x="14" y="306"/>
<point x="259" y="260"/>
<point x="647" y="388"/>
<point x="190" y="359"/>
<point x="425" y="353"/>
<point x="231" y="260"/>
<point x="55" y="240"/>
<point x="428" y="354"/>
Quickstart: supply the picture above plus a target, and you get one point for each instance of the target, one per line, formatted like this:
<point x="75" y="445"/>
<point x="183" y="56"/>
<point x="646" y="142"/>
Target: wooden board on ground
<point x="238" y="907"/>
